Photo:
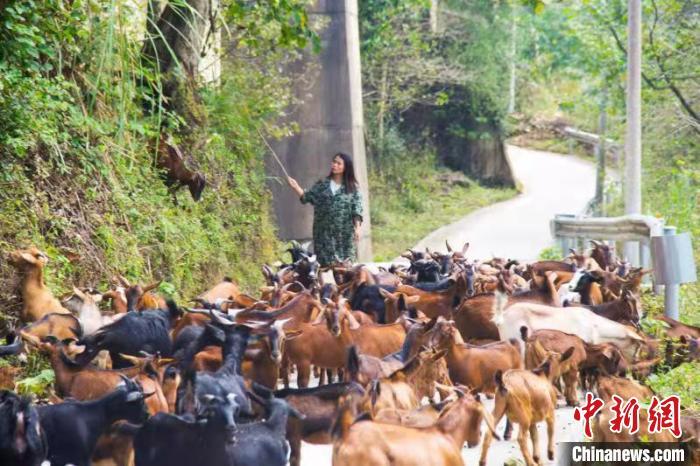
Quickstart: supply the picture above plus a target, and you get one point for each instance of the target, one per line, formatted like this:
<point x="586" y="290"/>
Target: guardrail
<point x="673" y="252"/>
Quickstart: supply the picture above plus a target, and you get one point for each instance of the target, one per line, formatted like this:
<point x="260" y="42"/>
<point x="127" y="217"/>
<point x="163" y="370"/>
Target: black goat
<point x="135" y="332"/>
<point x="22" y="440"/>
<point x="264" y="442"/>
<point x="14" y="345"/>
<point x="226" y="386"/>
<point x="319" y="406"/>
<point x="368" y="299"/>
<point x="170" y="440"/>
<point x="441" y="284"/>
<point x="427" y="269"/>
<point x="73" y="427"/>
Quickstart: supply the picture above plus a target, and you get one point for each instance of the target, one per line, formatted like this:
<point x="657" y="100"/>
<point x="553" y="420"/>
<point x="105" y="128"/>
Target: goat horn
<point x="196" y="311"/>
<point x="447" y="244"/>
<point x="132" y="359"/>
<point x="123" y="281"/>
<point x="152" y="286"/>
<point x="219" y="318"/>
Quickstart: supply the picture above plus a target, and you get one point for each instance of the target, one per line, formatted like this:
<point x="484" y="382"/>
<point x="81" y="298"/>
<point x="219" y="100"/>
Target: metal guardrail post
<point x="564" y="242"/>
<point x="671" y="292"/>
<point x="645" y="259"/>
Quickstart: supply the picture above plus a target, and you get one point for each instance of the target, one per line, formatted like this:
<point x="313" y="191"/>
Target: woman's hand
<point x="295" y="186"/>
<point x="356" y="234"/>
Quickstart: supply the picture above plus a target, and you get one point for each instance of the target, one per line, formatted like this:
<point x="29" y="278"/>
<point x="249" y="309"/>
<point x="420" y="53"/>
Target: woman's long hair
<point x="349" y="179"/>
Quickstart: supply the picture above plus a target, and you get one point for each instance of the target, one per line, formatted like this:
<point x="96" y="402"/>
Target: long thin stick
<point x="273" y="153"/>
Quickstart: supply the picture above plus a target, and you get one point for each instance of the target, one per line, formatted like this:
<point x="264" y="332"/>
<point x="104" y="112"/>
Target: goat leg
<point x="524" y="448"/>
<point x="535" y="442"/>
<point x="550" y="437"/>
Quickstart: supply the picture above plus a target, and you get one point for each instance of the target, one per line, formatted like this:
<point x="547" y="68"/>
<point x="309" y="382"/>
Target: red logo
<point x="627" y="415"/>
<point x="589" y="409"/>
<point x="665" y="414"/>
<point x="662" y="415"/>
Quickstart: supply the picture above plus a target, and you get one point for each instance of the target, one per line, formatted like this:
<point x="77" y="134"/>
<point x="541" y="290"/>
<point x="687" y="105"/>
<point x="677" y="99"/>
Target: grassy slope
<point x="398" y="222"/>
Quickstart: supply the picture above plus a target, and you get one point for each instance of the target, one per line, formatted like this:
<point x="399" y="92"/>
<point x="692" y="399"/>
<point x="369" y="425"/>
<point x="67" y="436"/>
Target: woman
<point x="337" y="211"/>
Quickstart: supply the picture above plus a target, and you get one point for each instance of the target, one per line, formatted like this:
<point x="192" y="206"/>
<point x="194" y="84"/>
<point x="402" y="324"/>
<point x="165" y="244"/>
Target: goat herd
<point x="139" y="379"/>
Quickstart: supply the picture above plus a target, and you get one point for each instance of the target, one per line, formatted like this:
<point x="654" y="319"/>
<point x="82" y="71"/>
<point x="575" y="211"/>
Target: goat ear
<point x="567" y="354"/>
<point x="134" y="396"/>
<point x="292" y="334"/>
<point x="78" y="293"/>
<point x="29" y="258"/>
<point x="320" y="318"/>
<point x="352" y="321"/>
<point x="412" y="299"/>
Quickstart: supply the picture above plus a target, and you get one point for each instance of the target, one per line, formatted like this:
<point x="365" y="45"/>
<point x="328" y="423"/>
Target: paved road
<point x="519" y="228"/>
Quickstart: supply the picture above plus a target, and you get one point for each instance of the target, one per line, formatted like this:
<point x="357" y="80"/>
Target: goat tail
<point x="343" y="422"/>
<point x="499" y="305"/>
<point x="498" y="378"/>
<point x="523" y="333"/>
<point x="353" y="363"/>
<point x="173" y="310"/>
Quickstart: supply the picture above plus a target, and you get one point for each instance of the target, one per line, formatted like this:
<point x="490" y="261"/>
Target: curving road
<point x="519" y="228"/>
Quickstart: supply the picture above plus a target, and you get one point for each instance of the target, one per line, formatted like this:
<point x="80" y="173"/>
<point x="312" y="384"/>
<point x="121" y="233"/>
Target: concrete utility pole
<point x="511" y="87"/>
<point x="330" y="120"/>
<point x="633" y="139"/>
<point x="600" y="156"/>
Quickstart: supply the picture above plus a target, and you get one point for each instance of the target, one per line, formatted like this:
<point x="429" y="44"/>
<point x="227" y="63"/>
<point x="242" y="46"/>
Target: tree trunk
<point x="434" y="26"/>
<point x="174" y="45"/>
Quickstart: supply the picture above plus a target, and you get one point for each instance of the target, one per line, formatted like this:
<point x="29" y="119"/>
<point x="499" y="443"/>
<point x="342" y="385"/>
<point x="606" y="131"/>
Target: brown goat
<point x="319" y="405"/>
<point x="475" y="366"/>
<point x="60" y="326"/>
<point x="423" y="416"/>
<point x="368" y="442"/>
<point x="603" y="358"/>
<point x="37" y="299"/>
<point x="678" y="329"/>
<point x="474" y="315"/>
<point x="140" y="297"/>
<point x="171" y="160"/>
<point x="437" y="303"/>
<point x="623" y="387"/>
<point x="526" y="398"/>
<point x="225" y="290"/>
<point x="541" y="341"/>
<point x="624" y="310"/>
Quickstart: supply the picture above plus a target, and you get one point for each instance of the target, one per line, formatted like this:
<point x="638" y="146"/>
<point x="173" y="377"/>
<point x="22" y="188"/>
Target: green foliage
<point x="572" y="54"/>
<point x="77" y="147"/>
<point x="284" y="23"/>
<point x="551" y="253"/>
<point x="683" y="381"/>
<point x="36" y="385"/>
